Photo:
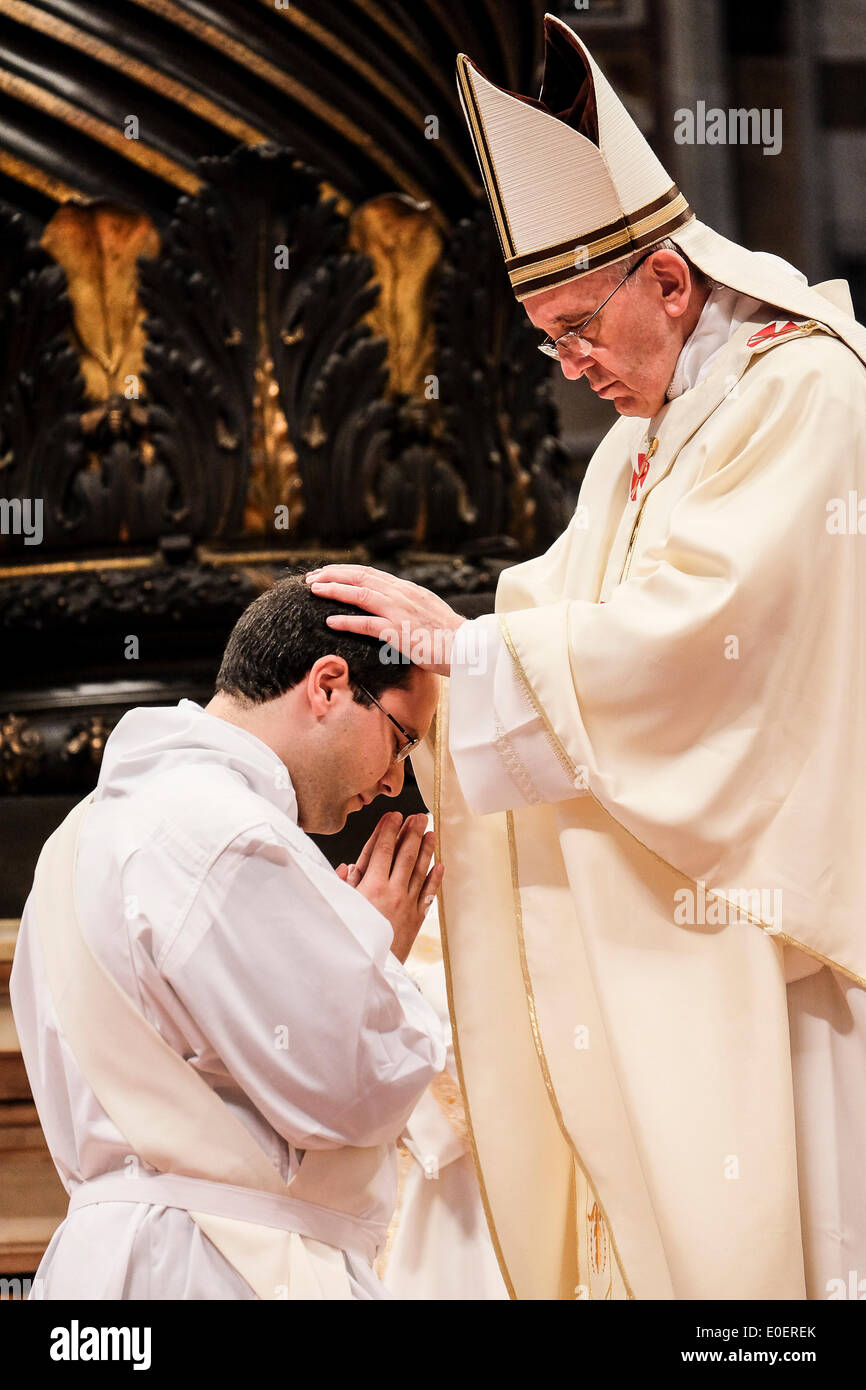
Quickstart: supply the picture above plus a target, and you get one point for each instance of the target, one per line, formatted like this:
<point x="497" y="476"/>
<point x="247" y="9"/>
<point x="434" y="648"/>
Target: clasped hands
<point x="392" y="873"/>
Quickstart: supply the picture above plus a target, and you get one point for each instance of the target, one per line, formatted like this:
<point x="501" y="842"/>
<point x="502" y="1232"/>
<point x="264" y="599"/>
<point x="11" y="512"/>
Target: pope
<point x="658" y="733"/>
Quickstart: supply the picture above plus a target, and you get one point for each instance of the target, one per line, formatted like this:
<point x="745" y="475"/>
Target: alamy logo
<point x="17" y="1289"/>
<point x="433" y="648"/>
<point x="853" y="1288"/>
<point x="22" y="516"/>
<point x="77" y="1343"/>
<point x="715" y="126"/>
<point x="846" y="517"/>
<point x="723" y="906"/>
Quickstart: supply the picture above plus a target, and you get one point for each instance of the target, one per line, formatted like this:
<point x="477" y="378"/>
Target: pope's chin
<point x="626" y="403"/>
<point x="630" y="405"/>
<point x="622" y="400"/>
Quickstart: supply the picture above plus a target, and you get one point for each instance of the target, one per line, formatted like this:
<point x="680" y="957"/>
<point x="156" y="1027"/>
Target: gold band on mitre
<point x="557" y="265"/>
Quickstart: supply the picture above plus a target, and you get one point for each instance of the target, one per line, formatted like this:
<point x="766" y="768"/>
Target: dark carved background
<point x="273" y="326"/>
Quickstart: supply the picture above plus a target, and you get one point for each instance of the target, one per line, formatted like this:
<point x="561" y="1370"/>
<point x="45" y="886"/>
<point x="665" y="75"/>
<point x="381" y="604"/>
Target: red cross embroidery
<point x="638" y="475"/>
<point x="772" y="330"/>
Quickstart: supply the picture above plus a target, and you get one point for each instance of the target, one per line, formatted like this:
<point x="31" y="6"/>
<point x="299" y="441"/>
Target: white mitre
<point x="573" y="186"/>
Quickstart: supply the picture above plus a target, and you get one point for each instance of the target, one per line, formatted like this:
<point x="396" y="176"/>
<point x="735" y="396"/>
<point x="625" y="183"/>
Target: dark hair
<point x="283" y="633"/>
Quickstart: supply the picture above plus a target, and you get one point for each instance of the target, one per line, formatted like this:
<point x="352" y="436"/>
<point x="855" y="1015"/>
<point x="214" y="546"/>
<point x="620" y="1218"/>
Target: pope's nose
<point x="575" y="366"/>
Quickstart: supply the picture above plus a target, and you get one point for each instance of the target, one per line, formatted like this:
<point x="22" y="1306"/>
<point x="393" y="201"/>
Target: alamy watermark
<point x="77" y="1343"/>
<point x="846" y="516"/>
<point x="737" y="126"/>
<point x="851" y="1288"/>
<point x="22" y="516"/>
<point x="17" y="1289"/>
<point x="716" y="908"/>
<point x="434" y="648"/>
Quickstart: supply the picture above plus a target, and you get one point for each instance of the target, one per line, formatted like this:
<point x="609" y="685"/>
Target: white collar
<point x="266" y="773"/>
<point x="155" y="739"/>
<point x="723" y="313"/>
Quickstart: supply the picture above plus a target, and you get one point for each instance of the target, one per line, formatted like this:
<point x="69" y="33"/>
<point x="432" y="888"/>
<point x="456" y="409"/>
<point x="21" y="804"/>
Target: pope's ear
<point x="326" y="678"/>
<point x="674" y="280"/>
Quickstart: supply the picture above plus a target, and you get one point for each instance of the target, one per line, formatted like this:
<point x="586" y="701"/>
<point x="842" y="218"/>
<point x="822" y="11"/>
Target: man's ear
<point x="327" y="677"/>
<point x="674" y="280"/>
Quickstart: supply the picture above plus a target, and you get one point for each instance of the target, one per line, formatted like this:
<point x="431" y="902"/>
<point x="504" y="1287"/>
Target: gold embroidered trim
<point x="565" y="760"/>
<point x="485" y="1201"/>
<point x="613" y="242"/>
<point x="597" y="1244"/>
<point x="568" y="274"/>
<point x="539" y="1046"/>
<point x="575" y="1205"/>
<point x="633" y="217"/>
<point x="561" y="756"/>
<point x="515" y="767"/>
<point x="805" y="330"/>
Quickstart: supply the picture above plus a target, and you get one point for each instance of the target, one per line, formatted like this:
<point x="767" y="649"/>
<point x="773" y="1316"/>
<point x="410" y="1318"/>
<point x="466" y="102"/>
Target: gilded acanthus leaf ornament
<point x="405" y="245"/>
<point x="99" y="246"/>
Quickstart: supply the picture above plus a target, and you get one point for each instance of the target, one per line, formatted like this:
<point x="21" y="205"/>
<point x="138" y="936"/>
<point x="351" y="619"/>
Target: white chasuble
<point x="688" y="839"/>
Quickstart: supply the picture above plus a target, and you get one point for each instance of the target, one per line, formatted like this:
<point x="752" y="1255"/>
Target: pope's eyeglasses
<point x="571" y="341"/>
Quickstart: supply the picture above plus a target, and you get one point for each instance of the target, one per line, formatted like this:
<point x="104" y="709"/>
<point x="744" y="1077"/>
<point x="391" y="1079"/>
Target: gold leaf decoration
<point x="405" y="245"/>
<point x="98" y="245"/>
<point x="274" y="476"/>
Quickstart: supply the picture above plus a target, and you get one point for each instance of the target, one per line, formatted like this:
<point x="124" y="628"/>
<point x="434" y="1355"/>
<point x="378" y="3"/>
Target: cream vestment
<point x="692" y="652"/>
<point x="438" y="1245"/>
<point x="653" y="907"/>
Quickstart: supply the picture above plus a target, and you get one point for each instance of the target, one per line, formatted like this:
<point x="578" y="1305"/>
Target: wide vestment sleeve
<point x="620" y="1017"/>
<point x="496" y="738"/>
<point x="288" y="973"/>
<point x="713" y="704"/>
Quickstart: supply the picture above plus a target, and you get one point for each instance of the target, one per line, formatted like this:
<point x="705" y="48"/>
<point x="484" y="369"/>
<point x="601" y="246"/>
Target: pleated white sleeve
<point x="500" y="751"/>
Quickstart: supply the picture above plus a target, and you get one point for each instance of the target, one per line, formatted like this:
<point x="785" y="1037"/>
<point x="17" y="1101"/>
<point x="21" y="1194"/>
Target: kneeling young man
<point x="221" y="1040"/>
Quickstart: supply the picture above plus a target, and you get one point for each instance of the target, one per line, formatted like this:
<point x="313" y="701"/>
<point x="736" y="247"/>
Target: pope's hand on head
<point x="410" y="618"/>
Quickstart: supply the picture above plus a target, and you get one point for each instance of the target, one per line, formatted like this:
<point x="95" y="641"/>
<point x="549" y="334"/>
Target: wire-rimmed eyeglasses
<point x="411" y="743"/>
<point x="572" y="340"/>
